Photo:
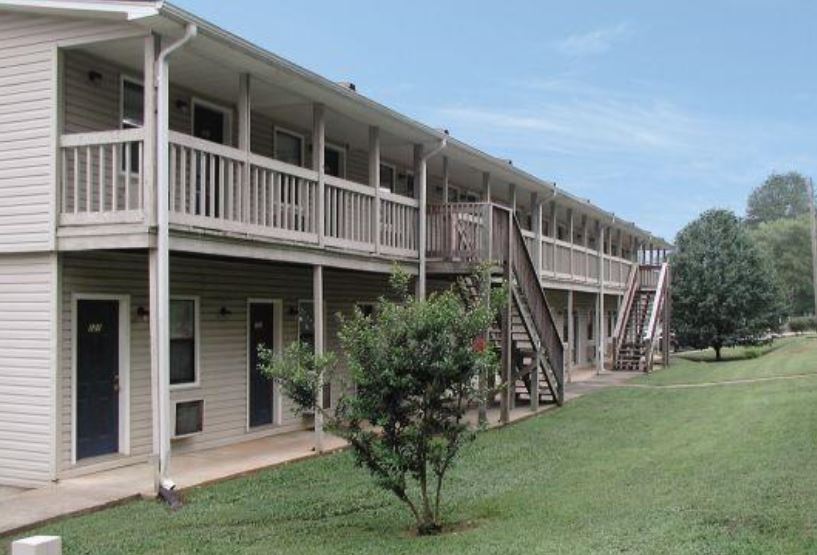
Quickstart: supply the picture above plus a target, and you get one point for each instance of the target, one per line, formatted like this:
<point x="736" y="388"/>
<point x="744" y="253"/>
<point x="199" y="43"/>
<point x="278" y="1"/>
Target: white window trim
<point x="124" y="369"/>
<point x="279" y="129"/>
<point x="175" y="402"/>
<point x="342" y="152"/>
<point x="196" y="344"/>
<point x="278" y="344"/>
<point x="225" y="110"/>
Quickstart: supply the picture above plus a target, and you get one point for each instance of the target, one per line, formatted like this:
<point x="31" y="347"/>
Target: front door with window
<point x="97" y="395"/>
<point x="261" y="332"/>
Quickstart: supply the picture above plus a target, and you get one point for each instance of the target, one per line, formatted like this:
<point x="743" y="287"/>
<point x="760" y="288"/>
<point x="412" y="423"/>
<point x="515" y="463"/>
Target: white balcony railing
<point x="102" y="177"/>
<point x="221" y="188"/>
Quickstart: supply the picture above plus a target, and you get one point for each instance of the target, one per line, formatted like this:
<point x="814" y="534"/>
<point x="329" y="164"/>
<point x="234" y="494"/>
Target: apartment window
<point x="183" y="331"/>
<point x="132" y="96"/>
<point x="387" y="176"/>
<point x="289" y="147"/>
<point x="405" y="184"/>
<point x="334" y="161"/>
<point x="590" y="320"/>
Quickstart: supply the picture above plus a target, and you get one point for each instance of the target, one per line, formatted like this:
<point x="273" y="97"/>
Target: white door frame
<point x="278" y="342"/>
<point x="124" y="368"/>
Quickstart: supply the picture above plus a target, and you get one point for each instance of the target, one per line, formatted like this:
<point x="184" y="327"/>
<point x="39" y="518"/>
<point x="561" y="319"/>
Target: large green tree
<point x="724" y="290"/>
<point x="786" y="244"/>
<point x="780" y="196"/>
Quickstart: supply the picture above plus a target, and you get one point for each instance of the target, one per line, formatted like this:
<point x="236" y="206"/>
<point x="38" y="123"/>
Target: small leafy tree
<point x="724" y="290"/>
<point x="415" y="367"/>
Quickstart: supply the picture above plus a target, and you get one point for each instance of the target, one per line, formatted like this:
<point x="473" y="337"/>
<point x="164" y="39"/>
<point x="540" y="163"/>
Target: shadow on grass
<point x="732" y="354"/>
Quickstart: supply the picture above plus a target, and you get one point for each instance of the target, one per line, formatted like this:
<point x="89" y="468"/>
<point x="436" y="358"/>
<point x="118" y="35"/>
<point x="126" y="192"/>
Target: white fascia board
<point x="131" y="10"/>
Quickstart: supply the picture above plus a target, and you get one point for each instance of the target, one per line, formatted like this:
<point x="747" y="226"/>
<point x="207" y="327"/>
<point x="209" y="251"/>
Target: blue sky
<point x="653" y="110"/>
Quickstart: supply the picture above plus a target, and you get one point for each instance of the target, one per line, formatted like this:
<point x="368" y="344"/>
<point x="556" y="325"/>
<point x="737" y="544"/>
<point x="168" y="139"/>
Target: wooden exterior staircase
<point x="462" y="236"/>
<point x="643" y="323"/>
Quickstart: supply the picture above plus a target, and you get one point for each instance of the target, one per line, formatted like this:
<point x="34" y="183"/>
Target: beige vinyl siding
<point x="222" y="339"/>
<point x="27" y="108"/>
<point x="26" y="414"/>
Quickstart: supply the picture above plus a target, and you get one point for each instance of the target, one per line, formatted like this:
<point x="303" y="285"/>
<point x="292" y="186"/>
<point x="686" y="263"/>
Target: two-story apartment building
<point x="172" y="196"/>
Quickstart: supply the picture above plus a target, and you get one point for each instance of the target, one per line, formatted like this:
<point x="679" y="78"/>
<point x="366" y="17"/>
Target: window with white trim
<point x="289" y="147"/>
<point x="334" y="161"/>
<point x="183" y="348"/>
<point x="132" y="115"/>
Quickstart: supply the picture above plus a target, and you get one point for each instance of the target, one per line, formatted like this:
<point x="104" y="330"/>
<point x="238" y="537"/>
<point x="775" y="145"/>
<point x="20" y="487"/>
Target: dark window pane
<point x="133" y="98"/>
<point x="332" y="162"/>
<point x="182" y="361"/>
<point x="288" y="148"/>
<point x="306" y="323"/>
<point x="182" y="341"/>
<point x="387" y="177"/>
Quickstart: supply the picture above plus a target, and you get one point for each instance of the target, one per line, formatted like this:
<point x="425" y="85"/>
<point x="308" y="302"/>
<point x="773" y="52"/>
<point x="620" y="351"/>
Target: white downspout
<point x="423" y="177"/>
<point x="163" y="251"/>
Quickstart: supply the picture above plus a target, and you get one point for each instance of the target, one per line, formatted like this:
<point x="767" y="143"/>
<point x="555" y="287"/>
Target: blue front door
<point x="262" y="332"/>
<point x="97" y="377"/>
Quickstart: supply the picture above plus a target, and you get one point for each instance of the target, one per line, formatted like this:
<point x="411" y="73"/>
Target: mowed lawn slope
<point x="721" y="469"/>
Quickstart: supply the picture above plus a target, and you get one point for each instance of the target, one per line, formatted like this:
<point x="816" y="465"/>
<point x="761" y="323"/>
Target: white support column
<point x="446" y="180"/>
<point x="152" y="46"/>
<point x="536" y="217"/>
<point x="600" y="339"/>
<point x="554" y="232"/>
<point x="374" y="181"/>
<point x="318" y="164"/>
<point x="585" y="243"/>
<point x="421" y="180"/>
<point x="571" y="340"/>
<point x="317" y="307"/>
<point x="572" y="241"/>
<point x="487" y="195"/>
<point x="244" y="111"/>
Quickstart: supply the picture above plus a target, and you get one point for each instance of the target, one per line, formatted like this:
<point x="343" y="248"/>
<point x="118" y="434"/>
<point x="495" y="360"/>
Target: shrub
<point x="415" y="367"/>
<point x="801" y="324"/>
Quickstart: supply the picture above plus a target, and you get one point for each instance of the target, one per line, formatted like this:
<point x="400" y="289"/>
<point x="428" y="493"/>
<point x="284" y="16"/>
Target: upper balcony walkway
<point x="222" y="189"/>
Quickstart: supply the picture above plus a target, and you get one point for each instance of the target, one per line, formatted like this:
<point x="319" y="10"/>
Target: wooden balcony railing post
<point x="318" y="163"/>
<point x="374" y="181"/>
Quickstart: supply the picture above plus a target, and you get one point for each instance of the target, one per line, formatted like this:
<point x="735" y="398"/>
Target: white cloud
<point x="593" y="42"/>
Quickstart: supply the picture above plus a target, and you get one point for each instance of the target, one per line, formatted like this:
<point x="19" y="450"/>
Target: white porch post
<point x="554" y="232"/>
<point x="487" y="195"/>
<point x="244" y="111"/>
<point x="317" y="304"/>
<point x="536" y="217"/>
<point x="421" y="183"/>
<point x="446" y="180"/>
<point x="572" y="241"/>
<point x="600" y="339"/>
<point x="570" y="339"/>
<point x="318" y="163"/>
<point x="374" y="181"/>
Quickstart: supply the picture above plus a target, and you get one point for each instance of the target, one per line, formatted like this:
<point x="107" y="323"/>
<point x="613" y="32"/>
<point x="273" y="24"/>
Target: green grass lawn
<point x="723" y="469"/>
<point x="792" y="355"/>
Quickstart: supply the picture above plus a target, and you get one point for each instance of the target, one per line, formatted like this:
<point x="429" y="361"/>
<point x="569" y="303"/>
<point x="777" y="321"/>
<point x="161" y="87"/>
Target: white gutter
<point x="163" y="250"/>
<point x="423" y="219"/>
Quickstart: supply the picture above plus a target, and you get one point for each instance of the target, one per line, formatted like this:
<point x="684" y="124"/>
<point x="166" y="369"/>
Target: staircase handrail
<point x="531" y="288"/>
<point x="651" y="335"/>
<point x="626" y="305"/>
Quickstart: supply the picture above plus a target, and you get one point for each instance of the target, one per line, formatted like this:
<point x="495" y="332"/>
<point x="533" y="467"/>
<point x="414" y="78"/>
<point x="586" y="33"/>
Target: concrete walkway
<point x="29" y="508"/>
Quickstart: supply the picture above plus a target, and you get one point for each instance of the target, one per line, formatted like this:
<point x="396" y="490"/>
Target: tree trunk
<point x="717" y="352"/>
